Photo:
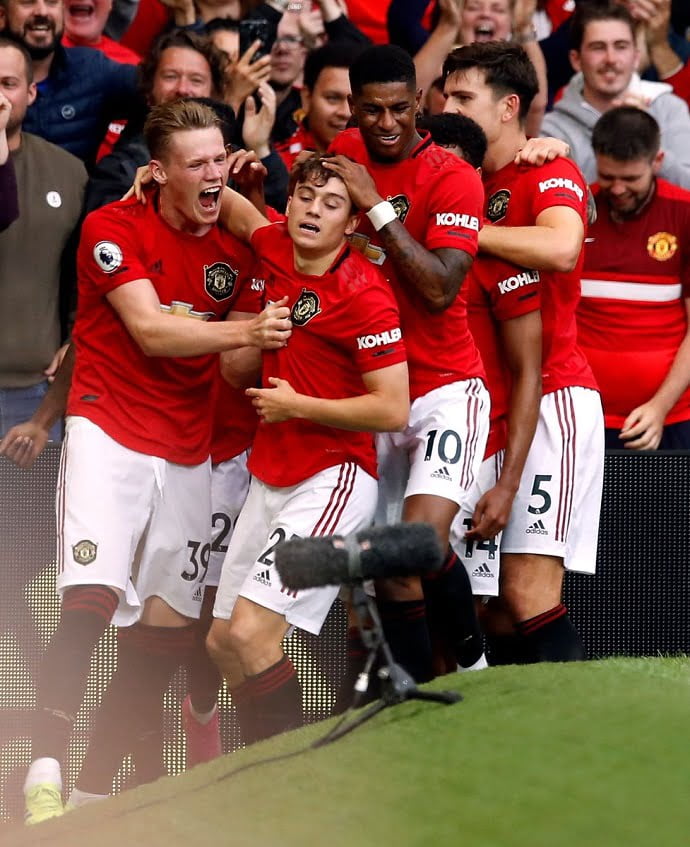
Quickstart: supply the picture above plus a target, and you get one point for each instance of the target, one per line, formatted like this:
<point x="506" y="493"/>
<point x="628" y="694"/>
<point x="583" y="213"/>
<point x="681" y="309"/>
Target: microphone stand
<point x="397" y="685"/>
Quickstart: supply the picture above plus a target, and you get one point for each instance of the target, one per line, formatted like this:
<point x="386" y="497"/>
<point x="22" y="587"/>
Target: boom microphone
<point x="406" y="549"/>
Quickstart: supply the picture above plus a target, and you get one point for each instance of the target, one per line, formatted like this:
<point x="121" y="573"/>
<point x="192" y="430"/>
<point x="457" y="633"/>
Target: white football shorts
<point x="480" y="558"/>
<point x="556" y="509"/>
<point x="130" y="521"/>
<point x="229" y="487"/>
<point x="336" y="501"/>
<point x="440" y="450"/>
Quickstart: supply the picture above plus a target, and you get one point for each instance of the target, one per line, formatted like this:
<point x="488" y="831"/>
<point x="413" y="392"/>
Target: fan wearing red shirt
<point x="342" y="377"/>
<point x="423" y="210"/>
<point x="633" y="316"/>
<point x="538" y="216"/>
<point x="154" y="283"/>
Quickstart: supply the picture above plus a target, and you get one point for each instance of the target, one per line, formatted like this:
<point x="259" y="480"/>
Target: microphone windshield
<point x="406" y="549"/>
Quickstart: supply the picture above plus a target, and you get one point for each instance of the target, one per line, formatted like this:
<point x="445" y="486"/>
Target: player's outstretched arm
<point x="553" y="244"/>
<point x="24" y="443"/>
<point x="161" y="334"/>
<point x="384" y="408"/>
<point x="241" y="367"/>
<point x="435" y="274"/>
<point x="521" y="343"/>
<point x="644" y="426"/>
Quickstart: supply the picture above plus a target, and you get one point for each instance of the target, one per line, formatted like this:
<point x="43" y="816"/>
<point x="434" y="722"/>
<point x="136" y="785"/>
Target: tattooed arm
<point x="436" y="275"/>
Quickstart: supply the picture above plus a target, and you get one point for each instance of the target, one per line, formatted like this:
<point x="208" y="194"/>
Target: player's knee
<point x="218" y="642"/>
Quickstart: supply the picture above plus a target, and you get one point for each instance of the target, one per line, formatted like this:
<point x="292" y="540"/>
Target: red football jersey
<point x="234" y="422"/>
<point x="498" y="291"/>
<point x="301" y="139"/>
<point x="516" y="195"/>
<point x="438" y="198"/>
<point x="632" y="316"/>
<point x="345" y="324"/>
<point x="156" y="405"/>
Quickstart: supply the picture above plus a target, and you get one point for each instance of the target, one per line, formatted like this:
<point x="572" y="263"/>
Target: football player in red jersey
<point x="154" y="282"/>
<point x="342" y="377"/>
<point x="633" y="316"/>
<point x="423" y="209"/>
<point x="537" y="220"/>
<point x="503" y="306"/>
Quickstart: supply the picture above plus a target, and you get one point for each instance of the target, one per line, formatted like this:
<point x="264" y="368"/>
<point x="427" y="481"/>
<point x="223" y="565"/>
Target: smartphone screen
<point x="250" y="31"/>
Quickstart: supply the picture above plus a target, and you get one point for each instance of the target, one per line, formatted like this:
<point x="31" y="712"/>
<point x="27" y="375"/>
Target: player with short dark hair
<point x="423" y="211"/>
<point x="456" y="133"/>
<point x="537" y="220"/>
<point x="325" y="103"/>
<point x="345" y="319"/>
<point x="133" y="488"/>
<point x="633" y="315"/>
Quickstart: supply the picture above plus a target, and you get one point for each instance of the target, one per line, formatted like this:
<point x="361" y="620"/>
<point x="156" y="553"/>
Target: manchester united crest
<point x="219" y="280"/>
<point x="306" y="307"/>
<point x="401" y="205"/>
<point x="662" y="246"/>
<point x="497" y="207"/>
<point x="84" y="552"/>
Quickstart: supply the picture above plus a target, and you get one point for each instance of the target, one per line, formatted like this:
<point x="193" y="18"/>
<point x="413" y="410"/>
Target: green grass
<point x="594" y="753"/>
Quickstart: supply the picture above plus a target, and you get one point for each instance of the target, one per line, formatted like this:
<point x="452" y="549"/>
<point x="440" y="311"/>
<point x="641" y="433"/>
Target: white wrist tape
<point x="381" y="214"/>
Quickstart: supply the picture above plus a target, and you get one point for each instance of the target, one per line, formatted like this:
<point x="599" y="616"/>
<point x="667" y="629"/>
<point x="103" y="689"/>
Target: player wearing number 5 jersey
<point x="424" y="207"/>
<point x="134" y="481"/>
<point x="537" y="220"/>
<point x="342" y="376"/>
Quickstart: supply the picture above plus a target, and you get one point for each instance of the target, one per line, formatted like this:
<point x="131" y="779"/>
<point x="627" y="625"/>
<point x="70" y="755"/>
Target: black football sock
<point x="86" y="614"/>
<point x="276" y="697"/>
<point x="448" y="593"/>
<point x="130" y="717"/>
<point x="245" y="714"/>
<point x="551" y="637"/>
<point x="405" y="627"/>
<point x="505" y="649"/>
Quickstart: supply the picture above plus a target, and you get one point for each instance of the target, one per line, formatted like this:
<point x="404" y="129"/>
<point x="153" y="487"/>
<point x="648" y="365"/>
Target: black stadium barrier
<point x="636" y="605"/>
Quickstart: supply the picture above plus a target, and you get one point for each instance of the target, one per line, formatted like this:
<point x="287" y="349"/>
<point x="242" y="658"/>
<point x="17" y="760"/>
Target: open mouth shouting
<point x="485" y="31"/>
<point x="209" y="199"/>
<point x="82" y="11"/>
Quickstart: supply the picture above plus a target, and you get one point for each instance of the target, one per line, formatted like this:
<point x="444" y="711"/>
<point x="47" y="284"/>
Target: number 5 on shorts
<point x="539" y="491"/>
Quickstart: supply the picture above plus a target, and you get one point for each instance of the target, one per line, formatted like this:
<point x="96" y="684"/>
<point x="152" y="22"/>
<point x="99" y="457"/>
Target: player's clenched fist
<point x="271" y="328"/>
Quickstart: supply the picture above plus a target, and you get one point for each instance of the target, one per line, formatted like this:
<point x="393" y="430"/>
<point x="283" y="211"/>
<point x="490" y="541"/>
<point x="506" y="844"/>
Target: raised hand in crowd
<point x="523" y="17"/>
<point x="184" y="12"/>
<point x="657" y="26"/>
<point x="258" y="122"/>
<point x="311" y="25"/>
<point x="244" y="76"/>
<point x="428" y="60"/>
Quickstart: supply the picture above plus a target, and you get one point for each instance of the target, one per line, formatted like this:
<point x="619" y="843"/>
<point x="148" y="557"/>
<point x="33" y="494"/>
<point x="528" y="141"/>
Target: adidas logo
<point x="264" y="577"/>
<point x="198" y="594"/>
<point x="483" y="571"/>
<point x="537" y="528"/>
<point x="441" y="473"/>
